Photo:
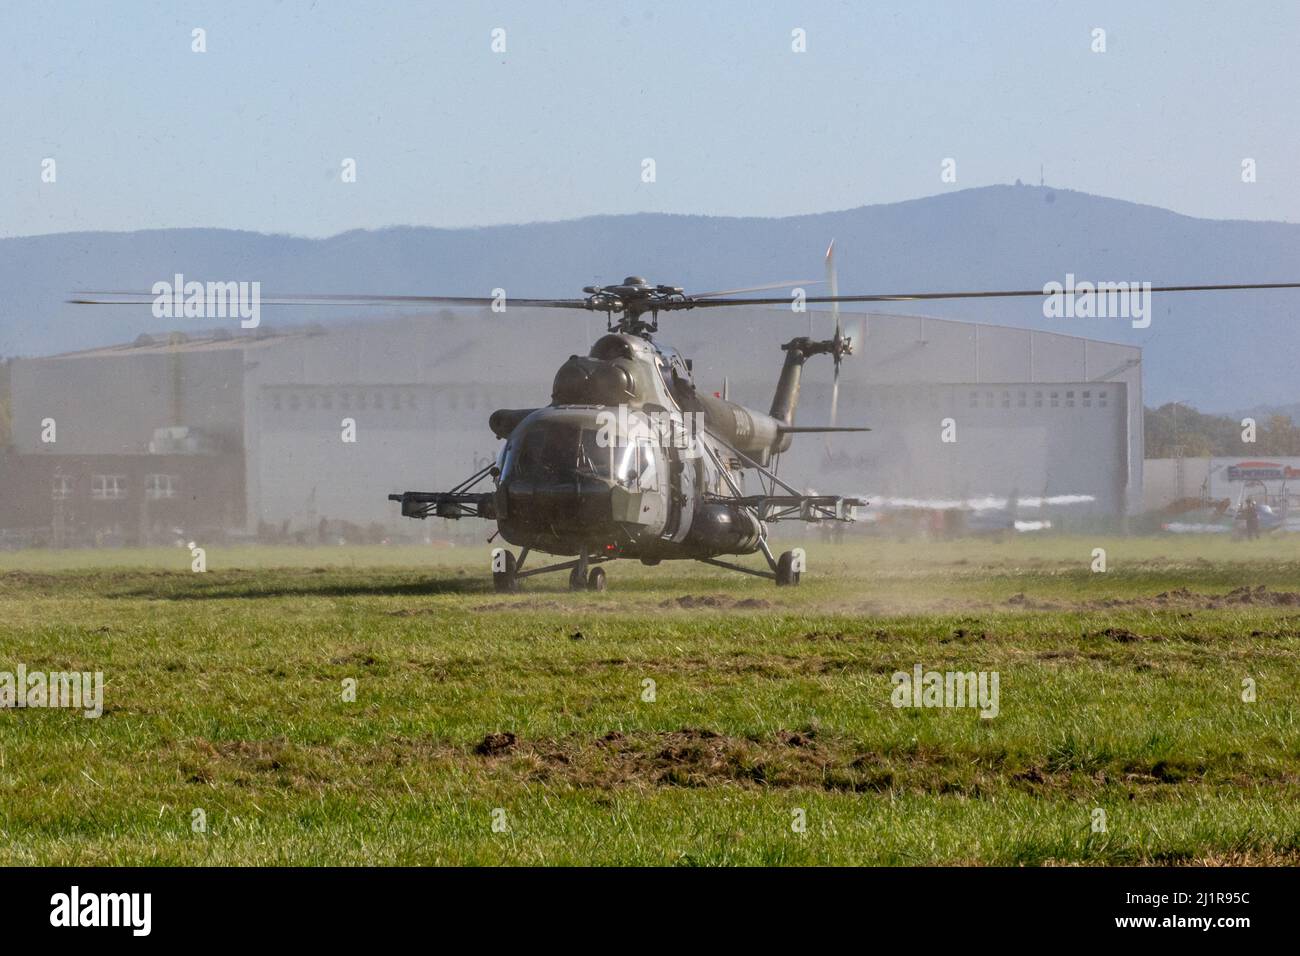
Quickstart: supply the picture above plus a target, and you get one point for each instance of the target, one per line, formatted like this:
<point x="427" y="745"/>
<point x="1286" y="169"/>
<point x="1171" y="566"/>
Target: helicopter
<point x="630" y="460"/>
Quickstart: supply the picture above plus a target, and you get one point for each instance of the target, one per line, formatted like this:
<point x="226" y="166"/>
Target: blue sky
<point x="251" y="134"/>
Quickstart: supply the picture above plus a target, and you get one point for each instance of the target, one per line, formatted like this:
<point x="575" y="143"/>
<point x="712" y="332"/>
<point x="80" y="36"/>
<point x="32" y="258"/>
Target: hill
<point x="1219" y="351"/>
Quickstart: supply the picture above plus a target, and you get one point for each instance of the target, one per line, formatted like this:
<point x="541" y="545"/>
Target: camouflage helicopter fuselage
<point x="631" y="460"/>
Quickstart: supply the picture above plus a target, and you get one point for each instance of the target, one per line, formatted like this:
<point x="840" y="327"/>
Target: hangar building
<point x="247" y="432"/>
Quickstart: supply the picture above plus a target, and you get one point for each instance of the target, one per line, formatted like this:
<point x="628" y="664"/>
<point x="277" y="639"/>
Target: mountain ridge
<point x="1222" y="350"/>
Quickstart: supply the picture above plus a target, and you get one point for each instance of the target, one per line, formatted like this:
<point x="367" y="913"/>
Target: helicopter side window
<point x="648" y="477"/>
<point x="634" y="466"/>
<point x="627" y="465"/>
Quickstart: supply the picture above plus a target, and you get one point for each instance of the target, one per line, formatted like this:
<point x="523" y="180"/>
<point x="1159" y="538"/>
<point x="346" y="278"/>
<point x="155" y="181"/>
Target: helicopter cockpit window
<point x="551" y="451"/>
<point x="594" y="456"/>
<point x="547" y="451"/>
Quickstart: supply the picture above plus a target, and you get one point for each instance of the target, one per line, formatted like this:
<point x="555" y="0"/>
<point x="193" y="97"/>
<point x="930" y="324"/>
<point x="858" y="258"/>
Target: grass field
<point x="1119" y="691"/>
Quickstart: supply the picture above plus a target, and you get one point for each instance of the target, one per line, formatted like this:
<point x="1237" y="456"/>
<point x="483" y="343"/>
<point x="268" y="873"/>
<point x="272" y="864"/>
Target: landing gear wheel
<point x="576" y="580"/>
<point x="786" y="575"/>
<point x="505" y="582"/>
<point x="596" y="580"/>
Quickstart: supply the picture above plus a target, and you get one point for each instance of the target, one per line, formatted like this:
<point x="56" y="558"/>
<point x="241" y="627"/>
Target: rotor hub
<point x="632" y="299"/>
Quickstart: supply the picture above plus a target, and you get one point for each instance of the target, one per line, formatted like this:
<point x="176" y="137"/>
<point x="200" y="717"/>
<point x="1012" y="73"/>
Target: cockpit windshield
<point x="559" y="451"/>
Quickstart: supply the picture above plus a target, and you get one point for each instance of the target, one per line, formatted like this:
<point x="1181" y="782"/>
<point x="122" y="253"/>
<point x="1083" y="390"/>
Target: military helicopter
<point x="629" y="460"/>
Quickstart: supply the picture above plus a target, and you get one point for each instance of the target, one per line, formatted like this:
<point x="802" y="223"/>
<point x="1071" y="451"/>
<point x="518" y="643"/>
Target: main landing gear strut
<point x="507" y="572"/>
<point x="785" y="570"/>
<point x="585" y="575"/>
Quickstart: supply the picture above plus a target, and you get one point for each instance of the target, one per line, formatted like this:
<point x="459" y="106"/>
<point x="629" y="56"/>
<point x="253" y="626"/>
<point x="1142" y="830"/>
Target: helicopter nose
<point x="560" y="507"/>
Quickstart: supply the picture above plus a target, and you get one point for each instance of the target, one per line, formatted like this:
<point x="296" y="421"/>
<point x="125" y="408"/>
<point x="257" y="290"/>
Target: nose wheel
<point x="505" y="580"/>
<point x="786" y="575"/>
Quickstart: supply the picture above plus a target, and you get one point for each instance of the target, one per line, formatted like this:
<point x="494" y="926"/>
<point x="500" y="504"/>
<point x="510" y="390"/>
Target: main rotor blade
<point x="148" y="298"/>
<point x="757" y="288"/>
<point x="932" y="296"/>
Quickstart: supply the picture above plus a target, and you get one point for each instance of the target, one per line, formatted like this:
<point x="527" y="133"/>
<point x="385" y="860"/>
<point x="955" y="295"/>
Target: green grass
<point x="224" y="692"/>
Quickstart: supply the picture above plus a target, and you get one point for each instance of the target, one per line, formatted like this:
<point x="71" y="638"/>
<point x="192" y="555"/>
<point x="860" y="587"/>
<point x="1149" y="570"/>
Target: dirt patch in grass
<point x="527" y="605"/>
<point x="697" y="601"/>
<point x="249" y="762"/>
<point x="495" y="744"/>
<point x="1259" y="595"/>
<point x="1177" y="599"/>
<point x="28" y="580"/>
<point x="1031" y="604"/>
<point x="1057" y="655"/>
<point x="699" y="757"/>
<point x="1121" y="635"/>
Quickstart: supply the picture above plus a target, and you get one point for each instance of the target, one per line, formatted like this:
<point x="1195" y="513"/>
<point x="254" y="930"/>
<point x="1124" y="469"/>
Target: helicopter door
<point x="684" y="469"/>
<point x="652" y="479"/>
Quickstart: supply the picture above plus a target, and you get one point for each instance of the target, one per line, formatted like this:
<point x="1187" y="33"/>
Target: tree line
<point x="1177" y="425"/>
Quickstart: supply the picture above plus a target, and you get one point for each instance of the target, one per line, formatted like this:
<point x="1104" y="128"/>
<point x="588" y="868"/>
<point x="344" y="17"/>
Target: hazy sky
<point x="445" y="132"/>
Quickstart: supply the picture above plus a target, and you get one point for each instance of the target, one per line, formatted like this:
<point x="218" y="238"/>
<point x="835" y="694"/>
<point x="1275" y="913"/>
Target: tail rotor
<point x="841" y="345"/>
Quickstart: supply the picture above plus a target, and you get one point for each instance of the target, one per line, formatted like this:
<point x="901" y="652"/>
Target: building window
<point x="1038" y="399"/>
<point x="1069" y="399"/>
<point x="974" y="399"/>
<point x="295" y="402"/>
<point x="277" y="402"/>
<point x="160" y="486"/>
<point x="1020" y="400"/>
<point x="107" y="487"/>
<point x="61" y="487"/>
<point x="1101" y="399"/>
<point x="1056" y="399"/>
<point x="1006" y="399"/>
